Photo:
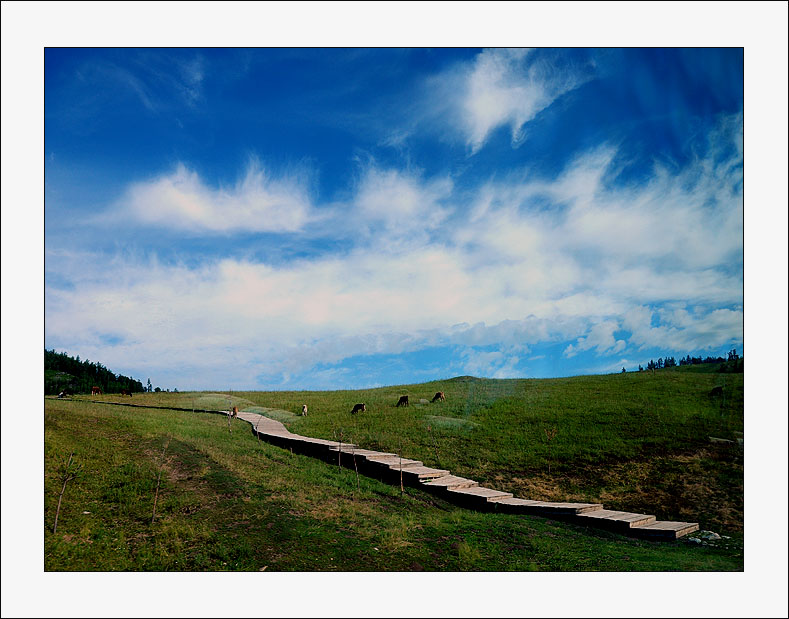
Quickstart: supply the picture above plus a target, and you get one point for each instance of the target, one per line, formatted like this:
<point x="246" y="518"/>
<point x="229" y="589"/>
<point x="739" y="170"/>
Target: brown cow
<point x="403" y="401"/>
<point x="234" y="412"/>
<point x="125" y="392"/>
<point x="359" y="407"/>
<point x="95" y="391"/>
<point x="439" y="396"/>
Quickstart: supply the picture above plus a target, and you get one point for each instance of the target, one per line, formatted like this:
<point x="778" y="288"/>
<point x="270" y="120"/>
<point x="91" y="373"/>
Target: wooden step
<point x="476" y="496"/>
<point x="614" y="520"/>
<point x="451" y="481"/>
<point x="664" y="530"/>
<point x="546" y="508"/>
<point x="420" y="473"/>
<point x="468" y="492"/>
<point x="393" y="461"/>
<point x="359" y="453"/>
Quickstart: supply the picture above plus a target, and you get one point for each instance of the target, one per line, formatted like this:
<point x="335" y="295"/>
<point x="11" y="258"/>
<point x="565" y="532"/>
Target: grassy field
<point x="637" y="442"/>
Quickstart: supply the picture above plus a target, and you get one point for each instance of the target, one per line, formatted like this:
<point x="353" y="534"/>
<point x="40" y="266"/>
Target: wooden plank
<point x="423" y="472"/>
<point x="517" y="501"/>
<point x="547" y="508"/>
<point x="366" y="453"/>
<point x="664" y="530"/>
<point x="394" y="461"/>
<point x="488" y="494"/>
<point x="592" y="514"/>
<point x="451" y="481"/>
<point x="616" y="518"/>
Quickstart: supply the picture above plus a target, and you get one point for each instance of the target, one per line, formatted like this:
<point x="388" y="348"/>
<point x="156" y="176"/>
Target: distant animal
<point x="403" y="401"/>
<point x="125" y="392"/>
<point x="234" y="412"/>
<point x="716" y="391"/>
<point x="95" y="391"/>
<point x="439" y="396"/>
<point x="358" y="407"/>
<point x="304" y="410"/>
<point x="62" y="394"/>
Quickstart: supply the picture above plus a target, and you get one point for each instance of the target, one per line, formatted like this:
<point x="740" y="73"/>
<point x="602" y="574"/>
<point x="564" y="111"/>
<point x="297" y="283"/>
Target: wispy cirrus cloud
<point x="399" y="200"/>
<point x="121" y="81"/>
<point x="508" y="87"/>
<point x="160" y="82"/>
<point x="257" y="202"/>
<point x="498" y="88"/>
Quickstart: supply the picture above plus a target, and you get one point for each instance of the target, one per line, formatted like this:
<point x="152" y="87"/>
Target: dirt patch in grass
<point x="187" y="468"/>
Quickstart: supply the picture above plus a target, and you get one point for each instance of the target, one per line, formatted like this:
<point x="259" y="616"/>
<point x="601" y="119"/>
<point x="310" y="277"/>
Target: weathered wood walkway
<point x="468" y="493"/>
<point x="460" y="491"/>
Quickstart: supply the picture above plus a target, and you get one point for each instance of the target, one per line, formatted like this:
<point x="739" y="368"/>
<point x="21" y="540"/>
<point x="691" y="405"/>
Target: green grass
<point x="228" y="502"/>
<point x="636" y="441"/>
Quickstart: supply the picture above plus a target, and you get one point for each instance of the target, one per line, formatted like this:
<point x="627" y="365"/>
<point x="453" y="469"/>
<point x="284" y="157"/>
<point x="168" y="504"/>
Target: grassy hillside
<point x="633" y="441"/>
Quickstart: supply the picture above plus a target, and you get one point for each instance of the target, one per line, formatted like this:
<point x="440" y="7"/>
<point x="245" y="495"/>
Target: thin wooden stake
<point x="356" y="468"/>
<point x="401" y="467"/>
<point x="158" y="480"/>
<point x="66" y="478"/>
<point x="339" y="452"/>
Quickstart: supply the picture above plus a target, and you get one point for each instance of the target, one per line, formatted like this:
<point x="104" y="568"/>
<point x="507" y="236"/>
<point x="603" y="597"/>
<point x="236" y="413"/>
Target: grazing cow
<point x="359" y="407"/>
<point x="716" y="391"/>
<point x="403" y="401"/>
<point x="304" y="410"/>
<point x="95" y="391"/>
<point x="62" y="394"/>
<point x="439" y="396"/>
<point x="125" y="392"/>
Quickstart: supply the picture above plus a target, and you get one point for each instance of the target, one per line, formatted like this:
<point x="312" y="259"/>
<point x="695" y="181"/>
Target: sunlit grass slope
<point x="229" y="502"/>
<point x="634" y="441"/>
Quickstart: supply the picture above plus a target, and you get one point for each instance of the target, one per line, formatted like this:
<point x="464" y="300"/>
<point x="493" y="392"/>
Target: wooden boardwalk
<point x="458" y="490"/>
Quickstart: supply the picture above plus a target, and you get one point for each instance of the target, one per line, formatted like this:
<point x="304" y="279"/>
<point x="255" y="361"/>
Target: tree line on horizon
<point x="65" y="373"/>
<point x="733" y="362"/>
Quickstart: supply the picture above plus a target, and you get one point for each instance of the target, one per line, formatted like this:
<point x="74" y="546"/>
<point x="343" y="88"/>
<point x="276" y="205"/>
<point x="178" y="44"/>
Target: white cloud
<point x="676" y="237"/>
<point x="400" y="201"/>
<point x="289" y="317"/>
<point x="598" y="259"/>
<point x="507" y="87"/>
<point x="499" y="87"/>
<point x="601" y="337"/>
<point x="192" y="73"/>
<point x="683" y="330"/>
<point x="493" y="364"/>
<point x="256" y="203"/>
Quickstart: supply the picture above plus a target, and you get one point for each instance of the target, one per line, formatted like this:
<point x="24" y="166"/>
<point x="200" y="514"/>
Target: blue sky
<point x="296" y="218"/>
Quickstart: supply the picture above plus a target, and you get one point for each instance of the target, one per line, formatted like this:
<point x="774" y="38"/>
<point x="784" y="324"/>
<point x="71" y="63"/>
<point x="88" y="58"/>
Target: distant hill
<point x="64" y="373"/>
